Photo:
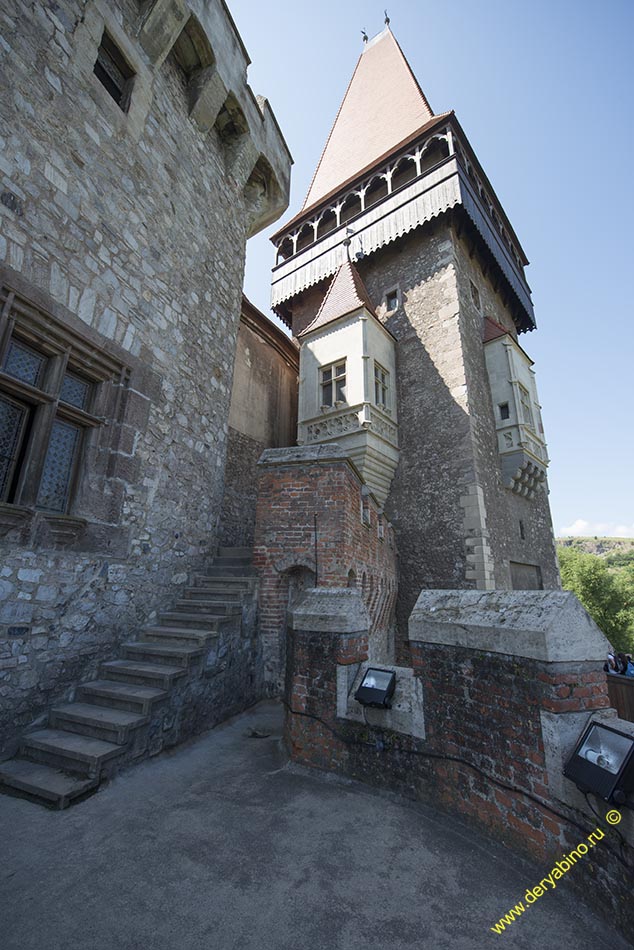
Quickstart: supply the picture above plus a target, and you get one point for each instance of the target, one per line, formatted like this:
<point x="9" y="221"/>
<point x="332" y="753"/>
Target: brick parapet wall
<point x="349" y="550"/>
<point x="484" y="755"/>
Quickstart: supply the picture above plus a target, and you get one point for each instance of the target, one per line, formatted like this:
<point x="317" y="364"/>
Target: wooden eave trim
<point x="464" y="142"/>
<point x="327" y="199"/>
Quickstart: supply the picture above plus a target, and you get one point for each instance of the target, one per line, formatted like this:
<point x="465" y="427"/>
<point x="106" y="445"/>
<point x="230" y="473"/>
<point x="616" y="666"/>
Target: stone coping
<point x="551" y="626"/>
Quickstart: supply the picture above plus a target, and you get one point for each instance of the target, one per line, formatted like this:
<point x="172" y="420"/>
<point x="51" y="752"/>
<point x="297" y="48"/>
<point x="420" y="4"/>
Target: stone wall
<point x="456" y="524"/>
<point x="509" y="681"/>
<point x="316" y="524"/>
<point x="263" y="414"/>
<point x="130" y="229"/>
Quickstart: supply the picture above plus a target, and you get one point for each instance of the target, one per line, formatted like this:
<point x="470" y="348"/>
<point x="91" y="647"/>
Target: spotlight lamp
<point x="603" y="763"/>
<point x="377" y="688"/>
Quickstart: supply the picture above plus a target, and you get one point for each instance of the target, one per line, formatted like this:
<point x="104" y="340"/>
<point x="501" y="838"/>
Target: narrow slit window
<point x="381" y="386"/>
<point x="114" y="73"/>
<point x="527" y="411"/>
<point x="504" y="410"/>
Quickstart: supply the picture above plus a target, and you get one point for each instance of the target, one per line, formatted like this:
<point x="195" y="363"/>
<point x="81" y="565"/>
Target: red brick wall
<point x="289" y="498"/>
<point x="482" y="708"/>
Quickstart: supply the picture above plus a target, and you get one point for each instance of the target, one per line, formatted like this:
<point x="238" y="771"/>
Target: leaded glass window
<point x="50" y="376"/>
<point x="58" y="467"/>
<point x="13" y="418"/>
<point x="24" y="363"/>
<point x="74" y="391"/>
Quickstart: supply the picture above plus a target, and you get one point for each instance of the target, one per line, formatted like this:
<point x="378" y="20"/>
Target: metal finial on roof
<point x="365" y="36"/>
<point x="387" y="19"/>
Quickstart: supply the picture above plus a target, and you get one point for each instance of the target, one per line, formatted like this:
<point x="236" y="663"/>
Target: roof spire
<point x="387" y="19"/>
<point x="365" y="36"/>
<point x="382" y="107"/>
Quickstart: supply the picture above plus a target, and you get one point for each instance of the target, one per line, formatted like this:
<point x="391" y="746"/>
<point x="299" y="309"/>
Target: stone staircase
<point x="127" y="713"/>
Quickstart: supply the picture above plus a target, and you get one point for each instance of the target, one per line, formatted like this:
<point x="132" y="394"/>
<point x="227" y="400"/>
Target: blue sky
<point x="544" y="92"/>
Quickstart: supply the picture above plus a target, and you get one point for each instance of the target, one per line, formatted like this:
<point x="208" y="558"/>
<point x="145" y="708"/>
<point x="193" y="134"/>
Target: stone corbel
<point x="161" y="28"/>
<point x="207" y="95"/>
<point x="13" y="516"/>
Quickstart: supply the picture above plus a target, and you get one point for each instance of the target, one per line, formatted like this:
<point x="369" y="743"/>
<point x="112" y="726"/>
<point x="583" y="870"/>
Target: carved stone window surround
<point x="123" y="390"/>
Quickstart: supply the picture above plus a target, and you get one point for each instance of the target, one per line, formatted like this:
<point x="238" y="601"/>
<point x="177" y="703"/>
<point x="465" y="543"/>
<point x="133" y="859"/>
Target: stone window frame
<point x="111" y="60"/>
<point x="334" y="382"/>
<point x="97" y="20"/>
<point x="384" y="383"/>
<point x="88" y="356"/>
<point x="394" y="293"/>
<point x="526" y="407"/>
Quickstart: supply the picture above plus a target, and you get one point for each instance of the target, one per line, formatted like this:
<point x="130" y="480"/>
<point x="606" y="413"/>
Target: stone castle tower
<point x="399" y="193"/>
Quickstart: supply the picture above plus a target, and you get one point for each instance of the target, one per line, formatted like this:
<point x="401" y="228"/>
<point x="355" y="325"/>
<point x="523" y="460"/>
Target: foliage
<point x="606" y="592"/>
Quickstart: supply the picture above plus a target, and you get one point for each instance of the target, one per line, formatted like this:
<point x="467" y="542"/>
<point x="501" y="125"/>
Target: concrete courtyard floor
<point x="222" y="845"/>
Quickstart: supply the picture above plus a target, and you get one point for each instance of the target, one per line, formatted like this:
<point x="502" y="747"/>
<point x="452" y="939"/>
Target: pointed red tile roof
<point x="382" y="106"/>
<point x="346" y="294"/>
<point x="492" y="330"/>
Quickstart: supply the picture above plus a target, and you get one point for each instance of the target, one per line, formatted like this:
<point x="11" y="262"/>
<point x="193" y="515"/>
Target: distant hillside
<point x="615" y="550"/>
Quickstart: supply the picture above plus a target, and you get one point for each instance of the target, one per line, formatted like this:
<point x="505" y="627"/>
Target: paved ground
<point x="221" y="846"/>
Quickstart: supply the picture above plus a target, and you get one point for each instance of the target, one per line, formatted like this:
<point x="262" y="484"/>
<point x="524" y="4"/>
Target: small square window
<point x="391" y="300"/>
<point x="504" y="410"/>
<point x="114" y="73"/>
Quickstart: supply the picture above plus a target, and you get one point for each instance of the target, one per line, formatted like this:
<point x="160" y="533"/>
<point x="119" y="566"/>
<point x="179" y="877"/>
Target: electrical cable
<point x="456" y="758"/>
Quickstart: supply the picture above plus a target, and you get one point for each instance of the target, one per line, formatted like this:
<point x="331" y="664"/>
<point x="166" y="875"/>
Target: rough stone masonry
<point x="123" y="228"/>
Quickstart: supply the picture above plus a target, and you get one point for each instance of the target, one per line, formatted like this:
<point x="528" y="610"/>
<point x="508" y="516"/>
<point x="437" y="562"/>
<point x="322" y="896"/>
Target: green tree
<point x="608" y="596"/>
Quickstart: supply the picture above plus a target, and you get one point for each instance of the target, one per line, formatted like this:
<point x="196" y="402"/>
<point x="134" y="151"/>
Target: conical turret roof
<point x="382" y="107"/>
<point x="346" y="294"/>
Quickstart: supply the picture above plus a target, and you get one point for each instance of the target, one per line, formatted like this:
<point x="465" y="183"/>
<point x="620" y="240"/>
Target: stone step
<point x="221" y="593"/>
<point x="246" y="578"/>
<point x="213" y="607"/>
<point x="174" y="654"/>
<point x="196" y="620"/>
<point x="232" y="561"/>
<point x="43" y="782"/>
<point x="189" y="635"/>
<point x="111" y="725"/>
<point x="228" y="582"/>
<point x="242" y="571"/>
<point x="68" y="751"/>
<point x="235" y="552"/>
<point x="142" y="674"/>
<point x="128" y="696"/>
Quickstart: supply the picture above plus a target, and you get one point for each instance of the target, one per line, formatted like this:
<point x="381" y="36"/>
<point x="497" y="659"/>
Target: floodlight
<point x="603" y="763"/>
<point x="377" y="688"/>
